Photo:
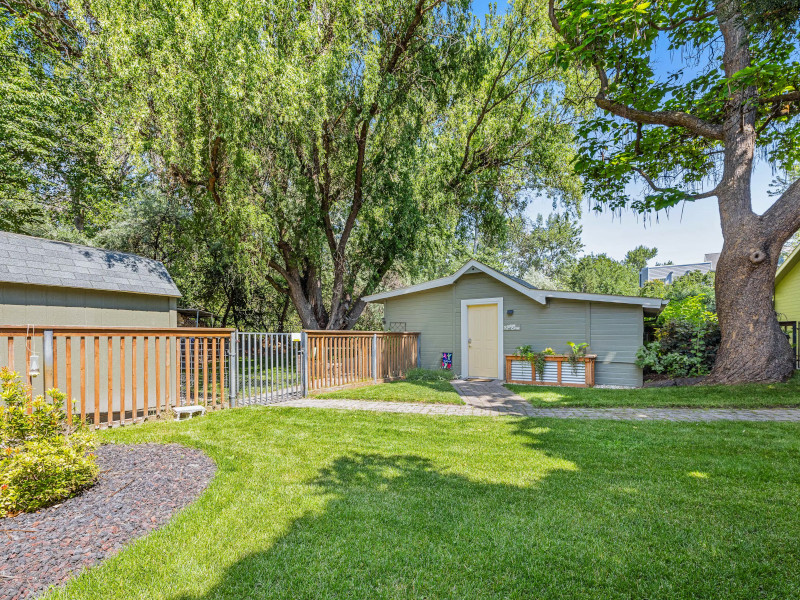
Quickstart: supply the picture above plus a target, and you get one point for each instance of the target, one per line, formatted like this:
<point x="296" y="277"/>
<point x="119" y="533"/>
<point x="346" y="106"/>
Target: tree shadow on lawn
<point x="398" y="527"/>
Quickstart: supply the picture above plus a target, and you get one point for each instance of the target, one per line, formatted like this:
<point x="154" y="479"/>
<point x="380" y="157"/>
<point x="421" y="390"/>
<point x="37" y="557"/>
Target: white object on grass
<point x="188" y="410"/>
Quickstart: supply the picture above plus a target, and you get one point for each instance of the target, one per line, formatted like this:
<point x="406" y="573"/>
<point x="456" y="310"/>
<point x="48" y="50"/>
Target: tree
<point x="51" y="170"/>
<point x="350" y="136"/>
<point x="735" y="92"/>
<point x="548" y="247"/>
<point x="638" y="257"/>
<point x="601" y="274"/>
<point x="693" y="283"/>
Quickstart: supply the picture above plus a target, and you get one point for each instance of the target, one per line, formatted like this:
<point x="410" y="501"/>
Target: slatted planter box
<point x="557" y="371"/>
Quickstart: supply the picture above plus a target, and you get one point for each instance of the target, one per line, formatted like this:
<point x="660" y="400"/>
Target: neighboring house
<point x="669" y="273"/>
<point x="481" y="314"/>
<point x="46" y="282"/>
<point x="787" y="288"/>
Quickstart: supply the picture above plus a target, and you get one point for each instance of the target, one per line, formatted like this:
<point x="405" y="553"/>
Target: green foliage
<point x="693" y="283"/>
<point x="687" y="339"/>
<point x="42" y="461"/>
<point x="537" y="359"/>
<point x="575" y="354"/>
<point x="692" y="309"/>
<point x="601" y="274"/>
<point x="420" y="374"/>
<point x="542" y="247"/>
<point x="345" y="140"/>
<point x="51" y="166"/>
<point x="621" y="40"/>
<point x="637" y="258"/>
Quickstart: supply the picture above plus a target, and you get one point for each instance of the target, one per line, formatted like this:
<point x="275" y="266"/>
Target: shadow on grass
<point x="618" y="519"/>
<point x="394" y="526"/>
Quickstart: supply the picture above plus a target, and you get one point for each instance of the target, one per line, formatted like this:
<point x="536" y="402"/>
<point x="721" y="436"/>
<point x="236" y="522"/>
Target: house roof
<point x="517" y="284"/>
<point x="667" y="272"/>
<point x="787" y="265"/>
<point x="37" y="261"/>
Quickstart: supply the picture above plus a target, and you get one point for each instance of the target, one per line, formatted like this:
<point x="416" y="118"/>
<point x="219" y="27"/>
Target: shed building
<point x="480" y="315"/>
<point x="47" y="282"/>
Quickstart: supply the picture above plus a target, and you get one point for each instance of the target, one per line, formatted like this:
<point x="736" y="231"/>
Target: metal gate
<point x="267" y="368"/>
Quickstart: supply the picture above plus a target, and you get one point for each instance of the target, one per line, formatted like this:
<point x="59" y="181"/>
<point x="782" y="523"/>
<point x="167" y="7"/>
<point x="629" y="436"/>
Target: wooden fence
<point x="342" y="358"/>
<point x="120" y="375"/>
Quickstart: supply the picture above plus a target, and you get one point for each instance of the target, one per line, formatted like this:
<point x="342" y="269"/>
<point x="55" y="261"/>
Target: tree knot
<point x="757" y="257"/>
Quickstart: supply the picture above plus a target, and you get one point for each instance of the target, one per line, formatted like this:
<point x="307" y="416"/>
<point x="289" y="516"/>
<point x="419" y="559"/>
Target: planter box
<point x="557" y="371"/>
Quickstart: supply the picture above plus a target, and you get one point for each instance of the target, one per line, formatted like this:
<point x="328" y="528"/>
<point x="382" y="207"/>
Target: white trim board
<point x="540" y="296"/>
<point x="465" y="335"/>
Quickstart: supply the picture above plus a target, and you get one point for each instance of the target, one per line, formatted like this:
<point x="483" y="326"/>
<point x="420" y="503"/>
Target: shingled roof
<point x="37" y="261"/>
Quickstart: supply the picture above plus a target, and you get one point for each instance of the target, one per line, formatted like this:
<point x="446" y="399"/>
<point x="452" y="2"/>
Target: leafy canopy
<point x="340" y="141"/>
<point x="660" y="63"/>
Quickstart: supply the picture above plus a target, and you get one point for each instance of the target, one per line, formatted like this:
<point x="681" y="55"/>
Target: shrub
<point x="42" y="461"/>
<point x="687" y="338"/>
<point x="418" y="374"/>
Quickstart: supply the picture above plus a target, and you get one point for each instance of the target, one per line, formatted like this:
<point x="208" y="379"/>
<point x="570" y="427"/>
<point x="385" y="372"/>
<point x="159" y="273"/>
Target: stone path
<point x="490" y="398"/>
<point x="140" y="487"/>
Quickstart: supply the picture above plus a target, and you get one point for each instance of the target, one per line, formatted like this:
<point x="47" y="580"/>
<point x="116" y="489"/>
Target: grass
<point x="421" y="385"/>
<point x="697" y="396"/>
<point x="336" y="504"/>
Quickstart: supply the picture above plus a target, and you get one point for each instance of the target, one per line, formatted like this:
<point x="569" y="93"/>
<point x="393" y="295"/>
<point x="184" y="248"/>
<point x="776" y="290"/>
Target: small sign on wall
<point x="447" y="360"/>
<point x="511" y="327"/>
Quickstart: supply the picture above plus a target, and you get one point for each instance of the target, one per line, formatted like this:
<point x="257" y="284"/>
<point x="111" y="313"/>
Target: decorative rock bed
<point x="140" y="487"/>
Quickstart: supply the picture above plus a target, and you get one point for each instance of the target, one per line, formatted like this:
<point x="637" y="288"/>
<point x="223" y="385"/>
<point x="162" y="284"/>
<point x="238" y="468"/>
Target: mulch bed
<point x="140" y="487"/>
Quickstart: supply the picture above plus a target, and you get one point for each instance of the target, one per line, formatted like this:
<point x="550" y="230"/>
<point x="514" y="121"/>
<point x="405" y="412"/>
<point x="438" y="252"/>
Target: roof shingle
<point x="48" y="262"/>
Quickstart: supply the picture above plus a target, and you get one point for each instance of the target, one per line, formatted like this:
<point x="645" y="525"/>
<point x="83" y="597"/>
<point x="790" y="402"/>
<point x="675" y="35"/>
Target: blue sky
<point x="682" y="236"/>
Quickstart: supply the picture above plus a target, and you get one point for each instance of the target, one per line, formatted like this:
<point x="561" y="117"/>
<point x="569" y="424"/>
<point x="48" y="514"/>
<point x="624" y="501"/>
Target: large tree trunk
<point x="753" y="349"/>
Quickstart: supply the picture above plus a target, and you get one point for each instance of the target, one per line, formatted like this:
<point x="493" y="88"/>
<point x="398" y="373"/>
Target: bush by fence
<point x="43" y="459"/>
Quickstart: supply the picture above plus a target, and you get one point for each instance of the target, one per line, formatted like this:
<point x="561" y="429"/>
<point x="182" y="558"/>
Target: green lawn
<point x="335" y="504"/>
<point x="435" y="392"/>
<point x="698" y="396"/>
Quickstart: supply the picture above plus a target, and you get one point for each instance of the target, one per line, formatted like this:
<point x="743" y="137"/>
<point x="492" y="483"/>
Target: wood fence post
<point x="419" y="350"/>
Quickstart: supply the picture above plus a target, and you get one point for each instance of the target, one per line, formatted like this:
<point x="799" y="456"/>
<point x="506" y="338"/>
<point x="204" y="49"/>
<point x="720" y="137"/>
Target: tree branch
<point x="783" y="217"/>
<point x="667" y="118"/>
<point x="657" y="188"/>
<point x="787" y="97"/>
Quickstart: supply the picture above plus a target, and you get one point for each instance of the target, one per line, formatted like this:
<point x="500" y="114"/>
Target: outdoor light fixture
<point x="33" y="368"/>
<point x="510" y="312"/>
<point x="33" y="364"/>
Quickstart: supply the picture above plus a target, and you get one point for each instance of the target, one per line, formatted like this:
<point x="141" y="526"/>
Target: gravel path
<point x="140" y="487"/>
<point x="514" y="409"/>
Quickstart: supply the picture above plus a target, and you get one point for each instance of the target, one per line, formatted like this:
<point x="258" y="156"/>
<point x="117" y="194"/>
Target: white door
<point x="482" y="340"/>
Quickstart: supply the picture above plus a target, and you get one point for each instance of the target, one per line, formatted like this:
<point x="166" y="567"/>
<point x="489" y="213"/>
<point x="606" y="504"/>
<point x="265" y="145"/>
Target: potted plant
<point x="576" y="353"/>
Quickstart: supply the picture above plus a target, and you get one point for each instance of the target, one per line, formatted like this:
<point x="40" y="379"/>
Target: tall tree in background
<point x="693" y="133"/>
<point x="51" y="169"/>
<point x="545" y="246"/>
<point x="338" y="139"/>
<point x="601" y="274"/>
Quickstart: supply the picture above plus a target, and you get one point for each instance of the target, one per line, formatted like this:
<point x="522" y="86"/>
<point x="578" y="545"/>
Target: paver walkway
<point x="490" y="398"/>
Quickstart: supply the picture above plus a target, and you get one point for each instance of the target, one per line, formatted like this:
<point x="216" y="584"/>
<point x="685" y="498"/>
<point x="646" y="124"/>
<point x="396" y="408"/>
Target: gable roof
<point x="787" y="265"/>
<point x="517" y="284"/>
<point x="37" y="261"/>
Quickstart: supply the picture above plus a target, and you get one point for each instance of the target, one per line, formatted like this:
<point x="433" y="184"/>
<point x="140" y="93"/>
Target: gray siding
<point x="42" y="305"/>
<point x="614" y="331"/>
<point x="432" y="314"/>
<point x="616" y="334"/>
